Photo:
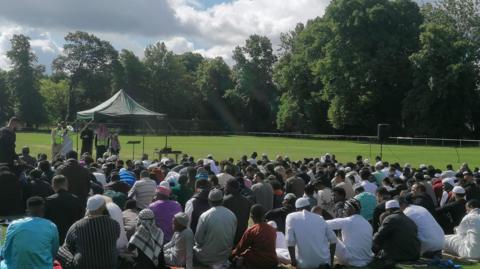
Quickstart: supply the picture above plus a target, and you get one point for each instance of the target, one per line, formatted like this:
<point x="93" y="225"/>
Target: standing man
<point x="87" y="140"/>
<point x="215" y="232"/>
<point x="7" y="142"/>
<point x="311" y="243"/>
<point x="31" y="242"/>
<point x="57" y="139"/>
<point x="101" y="140"/>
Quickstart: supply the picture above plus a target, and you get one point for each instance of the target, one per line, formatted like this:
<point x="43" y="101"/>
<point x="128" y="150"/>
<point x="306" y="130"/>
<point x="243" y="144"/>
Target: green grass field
<point x="235" y="146"/>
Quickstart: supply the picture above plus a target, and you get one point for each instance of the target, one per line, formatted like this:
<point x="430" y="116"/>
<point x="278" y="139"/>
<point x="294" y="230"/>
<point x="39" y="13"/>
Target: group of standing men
<point x="103" y="140"/>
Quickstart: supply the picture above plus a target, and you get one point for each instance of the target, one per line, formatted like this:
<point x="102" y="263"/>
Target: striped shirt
<point x="92" y="242"/>
<point x="143" y="191"/>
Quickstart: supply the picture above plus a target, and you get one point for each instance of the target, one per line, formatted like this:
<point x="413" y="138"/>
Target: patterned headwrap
<point x="354" y="204"/>
<point x="148" y="237"/>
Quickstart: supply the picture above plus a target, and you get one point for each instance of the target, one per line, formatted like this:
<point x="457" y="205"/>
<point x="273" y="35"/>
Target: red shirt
<point x="257" y="246"/>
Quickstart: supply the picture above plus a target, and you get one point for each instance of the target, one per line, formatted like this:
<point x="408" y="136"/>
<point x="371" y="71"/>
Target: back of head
<point x="59" y="182"/>
<point x="145" y="174"/>
<point x="71" y="155"/>
<point x="257" y="213"/>
<point x="365" y="174"/>
<point x="473" y="204"/>
<point x="131" y="204"/>
<point x="36" y="206"/>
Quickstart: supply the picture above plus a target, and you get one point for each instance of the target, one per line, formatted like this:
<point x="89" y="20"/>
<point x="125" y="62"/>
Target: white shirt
<point x="466" y="240"/>
<point x="369" y="186"/>
<point x="311" y="236"/>
<point x="223" y="178"/>
<point x="429" y="233"/>
<point x="116" y="214"/>
<point x="100" y="178"/>
<point x="357" y="236"/>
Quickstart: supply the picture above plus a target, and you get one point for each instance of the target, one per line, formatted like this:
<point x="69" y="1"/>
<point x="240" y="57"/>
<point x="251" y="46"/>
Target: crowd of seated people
<point x="77" y="212"/>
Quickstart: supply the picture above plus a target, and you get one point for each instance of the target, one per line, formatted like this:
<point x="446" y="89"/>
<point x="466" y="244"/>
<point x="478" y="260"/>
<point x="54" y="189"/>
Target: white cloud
<point x="179" y="45"/>
<point x="222" y="27"/>
<point x="6" y="33"/>
<point x="184" y="25"/>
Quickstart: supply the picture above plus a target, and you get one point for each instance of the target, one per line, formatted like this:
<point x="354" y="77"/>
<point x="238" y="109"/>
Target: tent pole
<point x="77" y="142"/>
<point x="143" y="140"/>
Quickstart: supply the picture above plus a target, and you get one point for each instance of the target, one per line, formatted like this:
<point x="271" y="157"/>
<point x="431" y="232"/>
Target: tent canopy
<point x="121" y="105"/>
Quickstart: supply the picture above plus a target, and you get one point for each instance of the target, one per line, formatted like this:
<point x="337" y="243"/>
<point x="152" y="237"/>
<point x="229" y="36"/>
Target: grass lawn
<point x="235" y="146"/>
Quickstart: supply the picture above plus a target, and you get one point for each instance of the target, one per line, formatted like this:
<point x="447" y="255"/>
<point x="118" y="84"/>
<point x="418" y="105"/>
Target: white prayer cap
<point x="458" y="190"/>
<point x="449" y="180"/>
<point x="392" y="204"/>
<point x="95" y="202"/>
<point x="302" y="202"/>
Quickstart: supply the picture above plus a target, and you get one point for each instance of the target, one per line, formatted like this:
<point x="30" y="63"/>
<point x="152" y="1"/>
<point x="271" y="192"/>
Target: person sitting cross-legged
<point x="466" y="240"/>
<point x="311" y="243"/>
<point x="92" y="241"/>
<point x="148" y="241"/>
<point x="396" y="239"/>
<point x="215" y="233"/>
<point x="257" y="246"/>
<point x="31" y="242"/>
<point x="179" y="251"/>
<point x="355" y="247"/>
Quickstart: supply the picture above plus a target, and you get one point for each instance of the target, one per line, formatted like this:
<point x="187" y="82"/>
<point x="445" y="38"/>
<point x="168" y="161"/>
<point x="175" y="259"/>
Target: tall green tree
<point x="55" y="96"/>
<point x="133" y="76"/>
<point x="5" y="101"/>
<point x="88" y="61"/>
<point x="165" y="75"/>
<point x="444" y="99"/>
<point x="366" y="71"/>
<point x="213" y="79"/>
<point x="23" y="80"/>
<point x="254" y="95"/>
<point x="294" y="76"/>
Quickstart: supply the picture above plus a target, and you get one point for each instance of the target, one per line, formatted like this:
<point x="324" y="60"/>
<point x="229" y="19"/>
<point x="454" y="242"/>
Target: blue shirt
<point x="368" y="202"/>
<point x="31" y="243"/>
<point x="127" y="177"/>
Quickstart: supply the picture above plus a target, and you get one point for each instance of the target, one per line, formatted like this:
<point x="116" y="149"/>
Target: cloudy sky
<point x="210" y="27"/>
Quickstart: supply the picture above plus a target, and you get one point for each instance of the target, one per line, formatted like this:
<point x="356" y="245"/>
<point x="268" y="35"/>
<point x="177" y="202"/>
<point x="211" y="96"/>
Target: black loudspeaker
<point x="383" y="132"/>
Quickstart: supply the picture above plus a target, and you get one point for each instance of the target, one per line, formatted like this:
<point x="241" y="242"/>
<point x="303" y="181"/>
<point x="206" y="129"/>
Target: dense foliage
<point x="363" y="62"/>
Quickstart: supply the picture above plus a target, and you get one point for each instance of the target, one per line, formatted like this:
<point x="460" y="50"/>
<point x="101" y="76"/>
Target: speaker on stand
<point x="383" y="133"/>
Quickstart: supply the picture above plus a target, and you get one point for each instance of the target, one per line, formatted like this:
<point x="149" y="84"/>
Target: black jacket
<point x="451" y="214"/>
<point x="279" y="215"/>
<point x="397" y="239"/>
<point x="7" y="146"/>
<point x="11" y="195"/>
<point x="200" y="204"/>
<point x="240" y="206"/>
<point x="78" y="179"/>
<point x="63" y="209"/>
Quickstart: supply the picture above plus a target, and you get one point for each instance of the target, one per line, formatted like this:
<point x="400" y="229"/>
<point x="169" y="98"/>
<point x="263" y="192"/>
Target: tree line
<point x="363" y="62"/>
